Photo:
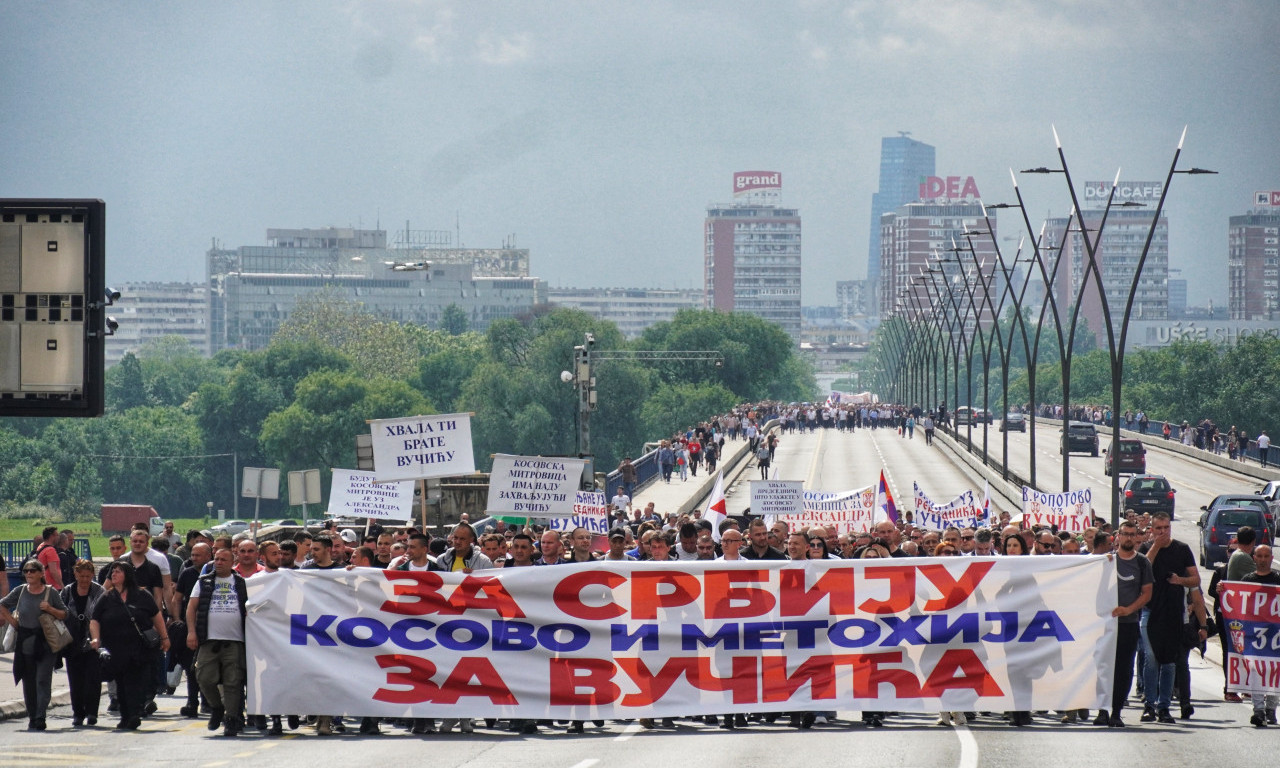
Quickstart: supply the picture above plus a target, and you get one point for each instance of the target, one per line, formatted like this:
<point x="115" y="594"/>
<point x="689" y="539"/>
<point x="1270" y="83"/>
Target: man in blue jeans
<point x="1173" y="569"/>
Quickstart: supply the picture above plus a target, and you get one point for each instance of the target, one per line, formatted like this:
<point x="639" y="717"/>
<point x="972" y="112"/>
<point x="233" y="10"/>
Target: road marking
<point x="587" y="763"/>
<point x="631" y="730"/>
<point x="968" y="747"/>
<point x="215" y="764"/>
<point x="244" y="754"/>
<point x="813" y="463"/>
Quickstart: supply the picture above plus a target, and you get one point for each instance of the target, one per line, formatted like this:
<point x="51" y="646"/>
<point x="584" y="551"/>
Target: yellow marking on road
<point x="215" y="764"/>
<point x="244" y="754"/>
<point x="30" y="758"/>
<point x="814" y="462"/>
<point x="272" y="744"/>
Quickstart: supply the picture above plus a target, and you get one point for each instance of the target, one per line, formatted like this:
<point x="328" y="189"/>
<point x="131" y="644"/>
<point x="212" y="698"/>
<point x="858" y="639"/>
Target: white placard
<point x="534" y="486"/>
<point x="422" y="446"/>
<point x="776" y="498"/>
<point x="590" y="511"/>
<point x="354" y="493"/>
<point x="1070" y="511"/>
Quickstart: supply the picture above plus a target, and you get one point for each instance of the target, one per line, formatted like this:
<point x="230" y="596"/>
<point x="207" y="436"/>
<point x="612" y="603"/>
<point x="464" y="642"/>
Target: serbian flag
<point x="884" y="500"/>
<point x="716" y="510"/>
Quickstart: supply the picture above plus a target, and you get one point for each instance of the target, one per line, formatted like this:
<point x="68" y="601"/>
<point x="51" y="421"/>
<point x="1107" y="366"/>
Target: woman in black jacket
<point x="117" y="624"/>
<point x="84" y="670"/>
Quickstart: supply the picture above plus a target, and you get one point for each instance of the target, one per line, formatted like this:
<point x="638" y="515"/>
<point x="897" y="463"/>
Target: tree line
<point x="178" y="424"/>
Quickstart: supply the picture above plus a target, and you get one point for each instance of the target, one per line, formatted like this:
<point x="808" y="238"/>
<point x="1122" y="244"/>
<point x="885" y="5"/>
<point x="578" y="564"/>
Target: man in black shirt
<point x="760" y="549"/>
<point x="1173" y="569"/>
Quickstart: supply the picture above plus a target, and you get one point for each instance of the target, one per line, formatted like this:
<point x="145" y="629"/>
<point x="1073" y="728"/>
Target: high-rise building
<point x="915" y="235"/>
<point x="904" y="165"/>
<point x="1117" y="254"/>
<point x="1177" y="296"/>
<point x="1253" y="260"/>
<point x="631" y="309"/>
<point x="151" y="311"/>
<point x="856" y="298"/>
<point x="752" y="252"/>
<point x="253" y="289"/>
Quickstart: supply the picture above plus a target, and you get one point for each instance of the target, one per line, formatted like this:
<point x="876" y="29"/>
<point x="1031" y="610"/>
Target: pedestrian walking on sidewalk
<point x="32" y="658"/>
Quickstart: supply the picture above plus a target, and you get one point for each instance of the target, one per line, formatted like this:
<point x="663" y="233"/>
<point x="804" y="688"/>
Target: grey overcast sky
<point x="598" y="132"/>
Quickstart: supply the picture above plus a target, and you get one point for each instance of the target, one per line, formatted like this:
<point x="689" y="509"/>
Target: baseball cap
<point x="350" y="537"/>
<point x="617" y="533"/>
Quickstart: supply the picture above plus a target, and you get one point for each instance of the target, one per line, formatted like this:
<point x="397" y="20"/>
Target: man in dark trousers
<point x="1173" y="567"/>
<point x="1133" y="574"/>
<point x="215" y="630"/>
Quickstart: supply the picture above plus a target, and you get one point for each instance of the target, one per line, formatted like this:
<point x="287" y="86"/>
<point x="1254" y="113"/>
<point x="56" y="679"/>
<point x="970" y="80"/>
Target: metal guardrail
<point x="14" y="551"/>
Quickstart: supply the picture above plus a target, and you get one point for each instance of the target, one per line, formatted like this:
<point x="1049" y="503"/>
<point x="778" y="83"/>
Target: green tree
<point x="125" y="387"/>
<point x="318" y="429"/>
<point x="376" y="346"/>
<point x="453" y="320"/>
<point x="758" y="356"/>
<point x="82" y="498"/>
<point x="674" y="407"/>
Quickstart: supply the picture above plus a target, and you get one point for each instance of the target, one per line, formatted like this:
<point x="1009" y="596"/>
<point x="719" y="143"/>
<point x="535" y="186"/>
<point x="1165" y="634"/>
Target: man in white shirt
<point x="215" y="630"/>
<point x="731" y="544"/>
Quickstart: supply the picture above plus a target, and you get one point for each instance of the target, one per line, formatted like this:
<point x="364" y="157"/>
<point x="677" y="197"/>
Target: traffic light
<point x="53" y="300"/>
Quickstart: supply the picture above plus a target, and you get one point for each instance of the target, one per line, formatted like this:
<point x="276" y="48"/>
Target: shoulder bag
<point x="55" y="631"/>
<point x="150" y="636"/>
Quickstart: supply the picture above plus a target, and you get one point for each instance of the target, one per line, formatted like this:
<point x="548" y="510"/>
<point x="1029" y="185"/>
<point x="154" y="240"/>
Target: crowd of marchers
<point x="133" y="624"/>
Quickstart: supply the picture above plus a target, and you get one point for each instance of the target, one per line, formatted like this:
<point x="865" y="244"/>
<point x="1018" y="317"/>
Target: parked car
<point x="1080" y="437"/>
<point x="964" y="416"/>
<point x="1219" y="524"/>
<point x="1128" y="458"/>
<point x="230" y="528"/>
<point x="280" y="522"/>
<point x="1271" y="492"/>
<point x="1014" y="422"/>
<point x="1149" y="493"/>
<point x="1254" y="500"/>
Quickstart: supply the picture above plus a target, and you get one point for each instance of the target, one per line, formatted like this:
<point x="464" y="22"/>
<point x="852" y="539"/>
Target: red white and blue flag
<point x="884" y="500"/>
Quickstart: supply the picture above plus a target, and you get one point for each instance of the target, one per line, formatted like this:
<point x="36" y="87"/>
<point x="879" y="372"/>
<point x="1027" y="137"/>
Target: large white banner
<point x="590" y="511"/>
<point x="962" y="512"/>
<point x="355" y="493"/>
<point x="534" y="486"/>
<point x="777" y="498"/>
<point x="422" y="446"/>
<point x="623" y="640"/>
<point x="1070" y="511"/>
<point x="848" y="511"/>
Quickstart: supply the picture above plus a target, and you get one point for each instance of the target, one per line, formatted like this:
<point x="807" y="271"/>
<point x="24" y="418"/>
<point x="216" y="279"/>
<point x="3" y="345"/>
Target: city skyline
<point x="598" y="135"/>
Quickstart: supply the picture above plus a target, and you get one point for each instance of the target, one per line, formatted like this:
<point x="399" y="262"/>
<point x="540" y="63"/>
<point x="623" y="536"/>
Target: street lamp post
<point x="1115" y="348"/>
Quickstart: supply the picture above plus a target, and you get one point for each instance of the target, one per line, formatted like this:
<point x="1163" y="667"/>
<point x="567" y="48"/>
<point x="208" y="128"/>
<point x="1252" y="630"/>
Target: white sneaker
<point x="820" y="720"/>
<point x="959" y="719"/>
<point x="944" y="719"/>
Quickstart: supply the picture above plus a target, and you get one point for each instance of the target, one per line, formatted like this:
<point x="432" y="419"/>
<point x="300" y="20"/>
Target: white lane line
<point x="586" y="763"/>
<point x="631" y="730"/>
<point x="968" y="747"/>
<point x="815" y="461"/>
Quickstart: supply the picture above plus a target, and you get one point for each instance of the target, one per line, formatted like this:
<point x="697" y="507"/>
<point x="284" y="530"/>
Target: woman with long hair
<point x="118" y="624"/>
